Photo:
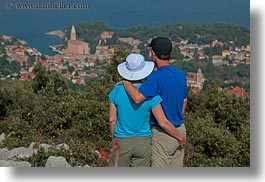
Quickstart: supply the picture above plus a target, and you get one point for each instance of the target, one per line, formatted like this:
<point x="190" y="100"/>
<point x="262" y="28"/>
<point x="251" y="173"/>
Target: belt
<point x="159" y="128"/>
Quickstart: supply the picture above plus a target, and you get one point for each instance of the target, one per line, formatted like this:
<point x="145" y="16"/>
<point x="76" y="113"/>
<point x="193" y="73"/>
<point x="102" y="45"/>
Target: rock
<point x="4" y="154"/>
<point x="2" y="137"/>
<point x="32" y="146"/>
<point x="10" y="134"/>
<point x="8" y="157"/>
<point x="57" y="162"/>
<point x="11" y="163"/>
<point x="62" y="146"/>
<point x="20" y="152"/>
<point x="86" y="165"/>
<point x="45" y="147"/>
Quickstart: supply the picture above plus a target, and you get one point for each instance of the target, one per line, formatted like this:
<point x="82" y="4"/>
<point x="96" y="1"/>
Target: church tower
<point x="76" y="47"/>
<point x="200" y="78"/>
<point x="73" y="33"/>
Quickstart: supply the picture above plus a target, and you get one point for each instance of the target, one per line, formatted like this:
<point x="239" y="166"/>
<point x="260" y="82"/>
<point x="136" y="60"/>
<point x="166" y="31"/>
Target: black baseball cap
<point x="161" y="46"/>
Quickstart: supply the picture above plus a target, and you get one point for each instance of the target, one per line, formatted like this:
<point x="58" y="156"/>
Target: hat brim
<point x="136" y="75"/>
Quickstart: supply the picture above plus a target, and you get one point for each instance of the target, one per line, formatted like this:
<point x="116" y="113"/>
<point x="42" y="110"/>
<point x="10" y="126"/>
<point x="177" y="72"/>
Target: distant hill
<point x="195" y="33"/>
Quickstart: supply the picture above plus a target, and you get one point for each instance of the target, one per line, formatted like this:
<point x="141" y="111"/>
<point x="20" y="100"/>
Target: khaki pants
<point x="165" y="149"/>
<point x="134" y="152"/>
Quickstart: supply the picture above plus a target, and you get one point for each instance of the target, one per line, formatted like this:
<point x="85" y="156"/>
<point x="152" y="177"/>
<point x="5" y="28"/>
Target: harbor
<point x="56" y="48"/>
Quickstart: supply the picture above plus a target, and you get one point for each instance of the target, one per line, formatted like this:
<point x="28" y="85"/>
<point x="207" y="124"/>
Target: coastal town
<point x="76" y="62"/>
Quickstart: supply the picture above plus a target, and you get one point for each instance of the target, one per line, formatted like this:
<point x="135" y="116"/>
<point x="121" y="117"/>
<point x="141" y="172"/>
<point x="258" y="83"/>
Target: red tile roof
<point x="28" y="76"/>
<point x="76" y="81"/>
<point x="238" y="91"/>
<point x="196" y="90"/>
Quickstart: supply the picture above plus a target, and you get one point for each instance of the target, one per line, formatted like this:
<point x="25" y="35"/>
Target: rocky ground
<point x="17" y="157"/>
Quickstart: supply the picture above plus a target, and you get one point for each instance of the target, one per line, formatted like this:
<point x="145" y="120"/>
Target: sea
<point x="31" y="20"/>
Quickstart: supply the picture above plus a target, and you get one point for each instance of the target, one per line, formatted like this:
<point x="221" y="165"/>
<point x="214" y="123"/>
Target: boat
<point x="54" y="49"/>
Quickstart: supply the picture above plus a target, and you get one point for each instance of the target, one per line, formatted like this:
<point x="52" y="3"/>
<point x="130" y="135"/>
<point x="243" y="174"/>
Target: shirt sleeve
<point x="112" y="96"/>
<point x="150" y="87"/>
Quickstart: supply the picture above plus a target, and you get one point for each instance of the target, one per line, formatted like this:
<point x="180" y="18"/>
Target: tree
<point x="47" y="80"/>
<point x="218" y="126"/>
<point x="175" y="54"/>
<point x="119" y="56"/>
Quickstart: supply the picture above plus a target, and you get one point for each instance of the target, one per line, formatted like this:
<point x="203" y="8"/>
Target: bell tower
<point x="73" y="33"/>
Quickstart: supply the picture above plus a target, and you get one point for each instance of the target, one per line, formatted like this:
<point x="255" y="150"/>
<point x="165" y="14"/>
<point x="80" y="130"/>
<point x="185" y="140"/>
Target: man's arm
<point x="112" y="118"/>
<point x="167" y="125"/>
<point x="133" y="92"/>
<point x="184" y="105"/>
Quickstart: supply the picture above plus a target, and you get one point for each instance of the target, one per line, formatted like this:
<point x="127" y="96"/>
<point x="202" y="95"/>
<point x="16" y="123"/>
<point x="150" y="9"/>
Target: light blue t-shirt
<point x="132" y="119"/>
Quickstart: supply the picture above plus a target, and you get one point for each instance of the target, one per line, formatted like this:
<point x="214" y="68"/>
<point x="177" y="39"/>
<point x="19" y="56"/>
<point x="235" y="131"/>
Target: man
<point x="170" y="84"/>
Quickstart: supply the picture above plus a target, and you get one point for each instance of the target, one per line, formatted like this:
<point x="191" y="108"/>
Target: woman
<point x="129" y="122"/>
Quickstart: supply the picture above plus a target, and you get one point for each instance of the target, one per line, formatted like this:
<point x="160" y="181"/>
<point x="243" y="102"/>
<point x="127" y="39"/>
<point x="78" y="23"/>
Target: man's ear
<point x="153" y="55"/>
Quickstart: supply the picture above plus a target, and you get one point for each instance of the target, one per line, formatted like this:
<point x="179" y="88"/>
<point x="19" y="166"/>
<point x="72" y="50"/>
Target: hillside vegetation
<point x="48" y="110"/>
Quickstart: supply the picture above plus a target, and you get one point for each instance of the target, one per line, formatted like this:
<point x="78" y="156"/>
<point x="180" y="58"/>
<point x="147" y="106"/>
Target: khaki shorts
<point x="166" y="151"/>
<point x="134" y="152"/>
